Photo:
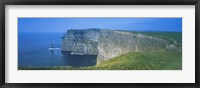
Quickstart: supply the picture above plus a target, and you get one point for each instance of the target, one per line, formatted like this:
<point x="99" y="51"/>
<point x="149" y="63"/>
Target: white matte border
<point x="186" y="75"/>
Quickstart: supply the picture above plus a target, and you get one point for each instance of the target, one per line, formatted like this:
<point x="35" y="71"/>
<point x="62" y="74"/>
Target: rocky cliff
<point x="107" y="44"/>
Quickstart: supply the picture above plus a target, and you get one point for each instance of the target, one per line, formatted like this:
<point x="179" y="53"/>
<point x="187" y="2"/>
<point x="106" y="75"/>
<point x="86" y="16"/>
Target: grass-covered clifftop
<point x="130" y="61"/>
<point x="144" y="61"/>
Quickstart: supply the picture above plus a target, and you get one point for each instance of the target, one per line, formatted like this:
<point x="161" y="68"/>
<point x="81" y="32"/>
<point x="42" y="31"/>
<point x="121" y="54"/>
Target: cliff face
<point x="81" y="41"/>
<point x="107" y="44"/>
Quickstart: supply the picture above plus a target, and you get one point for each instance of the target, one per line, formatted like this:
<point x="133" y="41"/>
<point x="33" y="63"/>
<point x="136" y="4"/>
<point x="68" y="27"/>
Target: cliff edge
<point x="107" y="44"/>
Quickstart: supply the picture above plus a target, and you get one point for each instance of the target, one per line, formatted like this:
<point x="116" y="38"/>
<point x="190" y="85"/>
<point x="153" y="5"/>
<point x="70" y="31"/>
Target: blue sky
<point x="134" y="24"/>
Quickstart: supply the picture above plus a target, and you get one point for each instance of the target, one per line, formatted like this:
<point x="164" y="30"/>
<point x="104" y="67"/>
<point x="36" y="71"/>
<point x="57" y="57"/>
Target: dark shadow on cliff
<point x="79" y="60"/>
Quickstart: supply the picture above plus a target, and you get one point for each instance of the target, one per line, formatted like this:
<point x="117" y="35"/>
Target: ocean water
<point x="33" y="51"/>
